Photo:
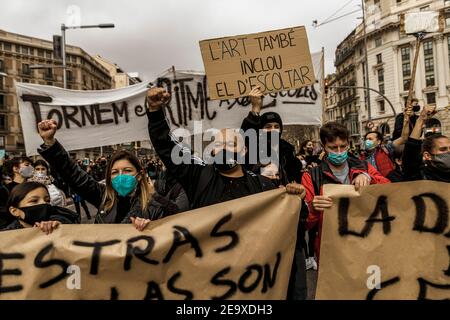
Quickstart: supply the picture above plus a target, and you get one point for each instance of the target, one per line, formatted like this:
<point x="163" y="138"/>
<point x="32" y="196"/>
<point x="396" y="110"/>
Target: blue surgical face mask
<point x="369" y="144"/>
<point x="124" y="184"/>
<point x="337" y="158"/>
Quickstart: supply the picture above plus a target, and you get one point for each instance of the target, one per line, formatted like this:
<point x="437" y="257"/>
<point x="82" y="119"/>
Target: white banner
<point x="99" y="118"/>
<point x="425" y="21"/>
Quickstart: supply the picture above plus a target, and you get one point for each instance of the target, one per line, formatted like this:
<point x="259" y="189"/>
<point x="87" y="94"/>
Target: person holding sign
<point x="338" y="168"/>
<point x="126" y="195"/>
<point x="224" y="180"/>
<point x="289" y="167"/>
<point x="29" y="204"/>
<point x="428" y="159"/>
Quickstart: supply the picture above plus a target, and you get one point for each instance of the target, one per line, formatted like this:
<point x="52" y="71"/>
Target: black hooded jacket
<point x="415" y="169"/>
<point x="92" y="191"/>
<point x="290" y="166"/>
<point x="203" y="183"/>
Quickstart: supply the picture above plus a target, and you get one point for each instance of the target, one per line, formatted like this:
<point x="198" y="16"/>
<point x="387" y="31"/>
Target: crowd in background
<point x="125" y="189"/>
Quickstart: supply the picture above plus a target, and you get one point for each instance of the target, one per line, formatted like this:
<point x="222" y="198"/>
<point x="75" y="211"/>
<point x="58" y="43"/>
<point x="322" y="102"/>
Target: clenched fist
<point x="47" y="130"/>
<point x="296" y="188"/>
<point x="156" y="98"/>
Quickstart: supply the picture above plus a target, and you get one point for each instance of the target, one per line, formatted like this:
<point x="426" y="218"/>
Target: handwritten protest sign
<point x="389" y="242"/>
<point x="277" y="60"/>
<point x="240" y="249"/>
<point x="98" y="118"/>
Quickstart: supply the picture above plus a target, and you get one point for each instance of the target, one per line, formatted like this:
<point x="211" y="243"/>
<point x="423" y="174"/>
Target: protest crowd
<point x="127" y="190"/>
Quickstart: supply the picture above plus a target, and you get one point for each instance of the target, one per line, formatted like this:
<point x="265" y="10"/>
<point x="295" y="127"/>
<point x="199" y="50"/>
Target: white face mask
<point x="26" y="172"/>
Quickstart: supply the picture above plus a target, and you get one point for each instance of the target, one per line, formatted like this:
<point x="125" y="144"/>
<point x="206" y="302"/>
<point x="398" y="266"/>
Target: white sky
<point x="151" y="36"/>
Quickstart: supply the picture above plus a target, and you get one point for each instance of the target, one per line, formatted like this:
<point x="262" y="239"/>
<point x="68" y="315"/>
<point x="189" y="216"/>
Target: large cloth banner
<point x="98" y="118"/>
<point x="242" y="249"/>
<point x="85" y="118"/>
<point x="389" y="242"/>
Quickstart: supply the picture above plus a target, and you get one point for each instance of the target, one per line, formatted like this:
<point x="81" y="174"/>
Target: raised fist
<point x="47" y="130"/>
<point x="156" y="98"/>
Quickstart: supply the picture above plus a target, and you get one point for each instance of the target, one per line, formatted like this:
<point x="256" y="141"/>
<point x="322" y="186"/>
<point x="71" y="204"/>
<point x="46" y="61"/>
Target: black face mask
<point x="37" y="213"/>
<point x="416" y="108"/>
<point x="441" y="162"/>
<point x="227" y="160"/>
<point x="309" y="150"/>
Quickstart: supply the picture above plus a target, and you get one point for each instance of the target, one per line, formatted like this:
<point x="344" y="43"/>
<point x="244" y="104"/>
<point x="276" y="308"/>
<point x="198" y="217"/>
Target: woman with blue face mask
<point x="126" y="195"/>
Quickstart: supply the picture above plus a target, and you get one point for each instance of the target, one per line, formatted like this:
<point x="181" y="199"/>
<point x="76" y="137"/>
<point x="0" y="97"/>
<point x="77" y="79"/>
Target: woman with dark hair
<point x="42" y="175"/>
<point x="307" y="154"/>
<point x="126" y="195"/>
<point x="428" y="159"/>
<point x="29" y="205"/>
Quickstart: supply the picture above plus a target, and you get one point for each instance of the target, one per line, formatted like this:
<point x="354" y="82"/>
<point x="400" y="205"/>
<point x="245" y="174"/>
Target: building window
<point x="24" y="50"/>
<point x="40" y="53"/>
<point x="69" y="75"/>
<point x="406" y="84"/>
<point x="2" y="122"/>
<point x="406" y="68"/>
<point x="428" y="48"/>
<point x="2" y="101"/>
<point x="378" y="42"/>
<point x="26" y="69"/>
<point x="405" y="51"/>
<point x="17" y="48"/>
<point x="7" y="46"/>
<point x="429" y="79"/>
<point x="379" y="58"/>
<point x="381" y="80"/>
<point x="448" y="44"/>
<point x="2" y="66"/>
<point x="429" y="63"/>
<point x="381" y="106"/>
<point x="48" y="74"/>
<point x="48" y="54"/>
<point x="431" y="98"/>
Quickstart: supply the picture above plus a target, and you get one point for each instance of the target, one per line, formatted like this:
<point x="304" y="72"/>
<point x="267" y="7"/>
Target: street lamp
<point x="63" y="47"/>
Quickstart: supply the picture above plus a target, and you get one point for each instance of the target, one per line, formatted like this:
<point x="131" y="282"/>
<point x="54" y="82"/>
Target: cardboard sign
<point x="392" y="241"/>
<point x="275" y="61"/>
<point x="241" y="249"/>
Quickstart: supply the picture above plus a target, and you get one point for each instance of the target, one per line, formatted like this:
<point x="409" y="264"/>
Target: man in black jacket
<point x="400" y="119"/>
<point x="206" y="184"/>
<point x="221" y="181"/>
<point x="428" y="159"/>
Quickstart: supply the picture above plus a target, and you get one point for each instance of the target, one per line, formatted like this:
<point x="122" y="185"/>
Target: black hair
<point x="43" y="163"/>
<point x="19" y="192"/>
<point x="303" y="145"/>
<point x="412" y="100"/>
<point x="15" y="162"/>
<point x="333" y="130"/>
<point x="429" y="142"/>
<point x="378" y="133"/>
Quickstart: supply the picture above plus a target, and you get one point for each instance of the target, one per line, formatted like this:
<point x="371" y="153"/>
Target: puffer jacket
<point x="88" y="188"/>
